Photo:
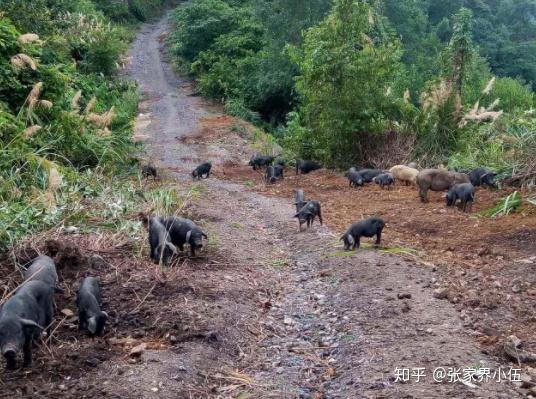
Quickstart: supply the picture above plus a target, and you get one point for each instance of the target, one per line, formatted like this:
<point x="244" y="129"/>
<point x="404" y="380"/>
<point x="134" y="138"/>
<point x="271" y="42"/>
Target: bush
<point x="348" y="68"/>
<point x="61" y="114"/>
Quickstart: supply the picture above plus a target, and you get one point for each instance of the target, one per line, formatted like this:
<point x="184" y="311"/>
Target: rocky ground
<point x="265" y="311"/>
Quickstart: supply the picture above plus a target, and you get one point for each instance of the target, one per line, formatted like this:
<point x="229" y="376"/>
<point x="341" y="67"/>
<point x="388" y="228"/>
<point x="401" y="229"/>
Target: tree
<point x="461" y="53"/>
<point x="347" y="68"/>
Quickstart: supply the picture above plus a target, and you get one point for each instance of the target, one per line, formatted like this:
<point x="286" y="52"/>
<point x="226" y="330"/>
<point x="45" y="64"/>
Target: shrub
<point x="347" y="70"/>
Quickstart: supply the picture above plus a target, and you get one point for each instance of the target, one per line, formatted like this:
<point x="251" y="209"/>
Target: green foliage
<point x="507" y="145"/>
<point x="51" y="150"/>
<point x="347" y="68"/>
<point x="504" y="30"/>
<point x="236" y="50"/>
<point x="505" y="206"/>
<point x="336" y="88"/>
<point x="198" y="23"/>
<point x="513" y="95"/>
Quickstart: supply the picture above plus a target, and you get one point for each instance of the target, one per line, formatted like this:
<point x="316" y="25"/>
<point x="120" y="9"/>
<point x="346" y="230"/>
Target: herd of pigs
<point x="460" y="187"/>
<point x="29" y="311"/>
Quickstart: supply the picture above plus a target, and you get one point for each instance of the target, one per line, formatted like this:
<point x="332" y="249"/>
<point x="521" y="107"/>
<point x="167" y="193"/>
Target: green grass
<point x="505" y="206"/>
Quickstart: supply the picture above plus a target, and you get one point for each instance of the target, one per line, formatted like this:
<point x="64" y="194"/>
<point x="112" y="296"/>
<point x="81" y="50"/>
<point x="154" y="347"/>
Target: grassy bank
<point x="66" y="119"/>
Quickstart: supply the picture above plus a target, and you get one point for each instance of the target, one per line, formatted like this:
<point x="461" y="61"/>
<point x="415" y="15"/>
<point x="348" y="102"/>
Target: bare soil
<point x="267" y="312"/>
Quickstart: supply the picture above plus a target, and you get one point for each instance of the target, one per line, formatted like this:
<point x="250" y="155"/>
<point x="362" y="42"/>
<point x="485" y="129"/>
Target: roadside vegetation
<point x="373" y="83"/>
<point x="65" y="117"/>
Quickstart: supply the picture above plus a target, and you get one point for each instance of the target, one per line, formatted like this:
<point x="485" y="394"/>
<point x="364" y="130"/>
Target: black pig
<point x="308" y="213"/>
<point x="354" y="178"/>
<point x="482" y="176"/>
<point x="270" y="175"/>
<point x="279" y="171"/>
<point x="89" y="302"/>
<point x="465" y="193"/>
<point x="364" y="228"/>
<point x="43" y="269"/>
<point x="385" y="179"/>
<point x="258" y="161"/>
<point x="162" y="250"/>
<point x="306" y="166"/>
<point x="22" y="318"/>
<point x="184" y="231"/>
<point x="369" y="174"/>
<point x="202" y="170"/>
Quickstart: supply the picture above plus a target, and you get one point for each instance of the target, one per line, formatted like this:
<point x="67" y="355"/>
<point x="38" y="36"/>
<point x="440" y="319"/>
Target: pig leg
<point x="357" y="242"/>
<point x="152" y="251"/>
<point x="81" y="321"/>
<point x="320" y="217"/>
<point x="192" y="251"/>
<point x="27" y="352"/>
<point x="378" y="238"/>
<point x="423" y="193"/>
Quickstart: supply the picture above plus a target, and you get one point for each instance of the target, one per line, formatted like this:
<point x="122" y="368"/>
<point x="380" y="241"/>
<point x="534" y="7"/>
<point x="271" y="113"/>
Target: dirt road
<point x="264" y="311"/>
<point x="321" y="325"/>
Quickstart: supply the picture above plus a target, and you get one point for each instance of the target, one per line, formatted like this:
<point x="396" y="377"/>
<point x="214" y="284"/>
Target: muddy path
<point x="263" y="311"/>
<point x="322" y="325"/>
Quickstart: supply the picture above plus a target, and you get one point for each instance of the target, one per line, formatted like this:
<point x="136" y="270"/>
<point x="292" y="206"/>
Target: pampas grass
<point x="30" y="131"/>
<point x="23" y="61"/>
<point x="90" y="105"/>
<point x="407" y="96"/>
<point x="45" y="104"/>
<point x="489" y="86"/>
<point x="28" y="38"/>
<point x="103" y="120"/>
<point x="74" y="102"/>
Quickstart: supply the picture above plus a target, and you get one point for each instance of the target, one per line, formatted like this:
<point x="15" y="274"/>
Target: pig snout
<point x="10" y="354"/>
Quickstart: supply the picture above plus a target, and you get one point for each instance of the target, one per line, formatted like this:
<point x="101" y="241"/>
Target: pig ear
<point x="30" y="323"/>
<point x="92" y="325"/>
<point x="204" y="235"/>
<point x="105" y="314"/>
<point x="188" y="235"/>
<point x="296" y="215"/>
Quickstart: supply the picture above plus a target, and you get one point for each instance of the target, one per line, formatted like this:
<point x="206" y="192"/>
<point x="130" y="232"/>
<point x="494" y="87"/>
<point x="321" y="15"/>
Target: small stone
<point x="441" y="293"/>
<point x="137" y="351"/>
<point x="516" y="289"/>
<point x="514" y="340"/>
<point x="67" y="312"/>
<point x="62" y="387"/>
<point x="288" y="320"/>
<point x="154" y="389"/>
<point x="403" y="295"/>
<point x="70" y="230"/>
<point x="173" y="339"/>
